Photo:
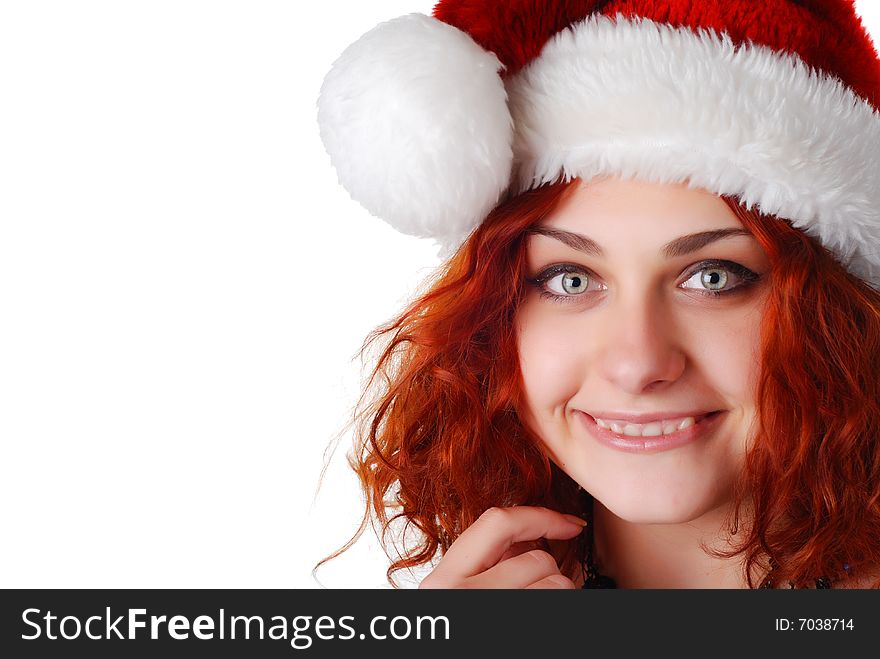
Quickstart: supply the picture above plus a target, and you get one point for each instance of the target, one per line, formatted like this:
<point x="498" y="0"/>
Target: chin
<point x="660" y="505"/>
<point x="655" y="514"/>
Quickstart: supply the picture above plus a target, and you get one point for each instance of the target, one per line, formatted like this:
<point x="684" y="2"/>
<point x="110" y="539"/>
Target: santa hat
<point x="431" y="121"/>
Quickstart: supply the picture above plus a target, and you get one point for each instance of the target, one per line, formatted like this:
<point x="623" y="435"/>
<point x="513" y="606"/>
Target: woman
<point x="651" y="358"/>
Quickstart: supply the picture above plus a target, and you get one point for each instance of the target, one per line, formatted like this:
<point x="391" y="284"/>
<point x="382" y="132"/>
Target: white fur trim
<point x="414" y="116"/>
<point x="643" y="100"/>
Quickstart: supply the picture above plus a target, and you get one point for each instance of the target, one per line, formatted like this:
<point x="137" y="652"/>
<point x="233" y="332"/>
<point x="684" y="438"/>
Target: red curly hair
<point x="439" y="437"/>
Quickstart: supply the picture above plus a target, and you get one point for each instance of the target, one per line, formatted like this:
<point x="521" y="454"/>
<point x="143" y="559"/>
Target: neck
<point x="666" y="555"/>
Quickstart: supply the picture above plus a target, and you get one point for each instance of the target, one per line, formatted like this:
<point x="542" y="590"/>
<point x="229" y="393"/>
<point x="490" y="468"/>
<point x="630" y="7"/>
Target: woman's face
<point x="643" y="314"/>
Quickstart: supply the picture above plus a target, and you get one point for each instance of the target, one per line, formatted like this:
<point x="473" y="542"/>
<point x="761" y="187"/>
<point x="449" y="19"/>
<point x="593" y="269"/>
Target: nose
<point x="642" y="350"/>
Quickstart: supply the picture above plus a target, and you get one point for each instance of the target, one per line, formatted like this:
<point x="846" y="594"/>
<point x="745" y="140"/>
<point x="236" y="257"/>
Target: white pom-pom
<point x="414" y="116"/>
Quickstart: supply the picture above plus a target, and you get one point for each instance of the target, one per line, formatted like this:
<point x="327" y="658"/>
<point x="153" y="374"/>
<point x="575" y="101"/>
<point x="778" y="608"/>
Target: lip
<point x="700" y="429"/>
<point x="648" y="417"/>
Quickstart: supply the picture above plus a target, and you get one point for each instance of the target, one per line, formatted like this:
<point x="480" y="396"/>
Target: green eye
<point x="714" y="279"/>
<point x="719" y="278"/>
<point x="566" y="282"/>
<point x="575" y="282"/>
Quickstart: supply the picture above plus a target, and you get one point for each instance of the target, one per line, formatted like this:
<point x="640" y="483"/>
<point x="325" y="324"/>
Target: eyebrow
<point x="678" y="247"/>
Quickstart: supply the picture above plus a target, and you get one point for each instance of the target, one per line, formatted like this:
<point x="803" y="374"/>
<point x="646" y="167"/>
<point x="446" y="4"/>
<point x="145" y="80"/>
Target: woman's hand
<point x="497" y="551"/>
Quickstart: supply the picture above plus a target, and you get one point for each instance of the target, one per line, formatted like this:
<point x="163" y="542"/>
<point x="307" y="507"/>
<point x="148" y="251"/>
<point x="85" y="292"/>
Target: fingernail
<point x="575" y="519"/>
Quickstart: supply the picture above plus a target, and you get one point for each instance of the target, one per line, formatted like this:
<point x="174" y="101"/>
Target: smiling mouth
<point x="650" y="429"/>
<point x="650" y="437"/>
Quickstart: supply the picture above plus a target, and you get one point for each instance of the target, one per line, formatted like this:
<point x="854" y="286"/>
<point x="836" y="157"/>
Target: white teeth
<point x="652" y="429"/>
<point x="670" y="427"/>
<point x="687" y="423"/>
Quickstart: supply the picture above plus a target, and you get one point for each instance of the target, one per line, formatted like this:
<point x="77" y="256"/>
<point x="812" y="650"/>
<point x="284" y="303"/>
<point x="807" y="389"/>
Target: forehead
<point x="617" y="209"/>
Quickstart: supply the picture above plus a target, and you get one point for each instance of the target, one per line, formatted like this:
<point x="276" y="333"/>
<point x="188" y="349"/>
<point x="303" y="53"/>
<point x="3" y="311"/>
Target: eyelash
<point x="747" y="276"/>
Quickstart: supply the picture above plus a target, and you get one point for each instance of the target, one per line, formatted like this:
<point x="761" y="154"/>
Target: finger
<point x="554" y="581"/>
<point x="517" y="572"/>
<point x="518" y="548"/>
<point x="485" y="541"/>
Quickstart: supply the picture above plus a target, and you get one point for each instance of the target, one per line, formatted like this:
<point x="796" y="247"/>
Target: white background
<point x="183" y="286"/>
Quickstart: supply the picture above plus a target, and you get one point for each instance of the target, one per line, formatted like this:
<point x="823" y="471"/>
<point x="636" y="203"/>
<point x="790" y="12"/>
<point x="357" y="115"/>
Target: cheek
<point x="729" y="357"/>
<point x="550" y="363"/>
